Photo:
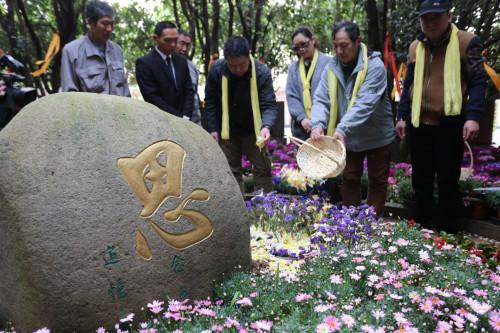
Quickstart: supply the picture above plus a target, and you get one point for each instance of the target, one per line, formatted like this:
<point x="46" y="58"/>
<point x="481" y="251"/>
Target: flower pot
<point x="478" y="209"/>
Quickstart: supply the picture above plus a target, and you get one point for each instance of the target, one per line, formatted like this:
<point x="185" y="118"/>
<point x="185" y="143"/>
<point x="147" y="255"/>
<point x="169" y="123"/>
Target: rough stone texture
<point x="63" y="201"/>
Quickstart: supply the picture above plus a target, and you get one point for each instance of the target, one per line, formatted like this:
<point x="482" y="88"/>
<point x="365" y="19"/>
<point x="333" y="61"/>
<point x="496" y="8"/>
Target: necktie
<point x="171" y="68"/>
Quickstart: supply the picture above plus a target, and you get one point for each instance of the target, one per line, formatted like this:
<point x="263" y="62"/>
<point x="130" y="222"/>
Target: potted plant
<point x="493" y="200"/>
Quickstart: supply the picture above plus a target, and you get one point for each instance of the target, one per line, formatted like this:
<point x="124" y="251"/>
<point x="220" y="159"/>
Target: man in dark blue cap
<point x="442" y="101"/>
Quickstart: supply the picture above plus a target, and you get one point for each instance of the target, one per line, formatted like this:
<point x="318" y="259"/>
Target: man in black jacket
<point x="163" y="76"/>
<point x="240" y="109"/>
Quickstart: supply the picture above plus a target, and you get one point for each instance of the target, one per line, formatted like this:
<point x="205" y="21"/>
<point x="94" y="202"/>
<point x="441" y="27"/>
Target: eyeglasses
<point x="298" y="47"/>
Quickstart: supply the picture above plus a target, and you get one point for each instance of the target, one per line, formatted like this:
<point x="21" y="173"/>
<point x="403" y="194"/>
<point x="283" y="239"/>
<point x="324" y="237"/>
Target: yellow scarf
<point x="333" y="88"/>
<point x="306" y="81"/>
<point x="452" y="83"/>
<point x="254" y="95"/>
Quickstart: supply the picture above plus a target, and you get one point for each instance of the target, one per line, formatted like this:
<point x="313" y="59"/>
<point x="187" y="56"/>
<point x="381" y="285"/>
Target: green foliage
<point x="493" y="199"/>
<point x="405" y="190"/>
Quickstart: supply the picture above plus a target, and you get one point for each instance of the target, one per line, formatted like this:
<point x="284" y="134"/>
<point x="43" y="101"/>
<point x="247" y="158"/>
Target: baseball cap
<point x="433" y="6"/>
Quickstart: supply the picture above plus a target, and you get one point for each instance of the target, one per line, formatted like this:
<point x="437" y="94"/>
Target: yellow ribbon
<point x="306" y="81"/>
<point x="333" y="89"/>
<point x="401" y="75"/>
<point x="493" y="75"/>
<point x="52" y="50"/>
<point x="254" y="96"/>
<point x="452" y="82"/>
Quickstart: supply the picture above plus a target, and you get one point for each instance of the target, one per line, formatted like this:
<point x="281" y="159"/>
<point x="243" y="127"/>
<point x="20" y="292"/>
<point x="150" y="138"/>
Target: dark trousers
<point x="235" y="147"/>
<point x="437" y="150"/>
<point x="378" y="170"/>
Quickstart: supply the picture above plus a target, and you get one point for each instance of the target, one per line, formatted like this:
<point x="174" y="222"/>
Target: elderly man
<point x="163" y="75"/>
<point x="240" y="110"/>
<point x="183" y="47"/>
<point x="442" y="101"/>
<point x="93" y="63"/>
<point x="352" y="105"/>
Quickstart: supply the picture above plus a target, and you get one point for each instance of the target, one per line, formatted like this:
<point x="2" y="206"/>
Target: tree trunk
<point x="67" y="21"/>
<point x="486" y="31"/>
<point x="230" y="18"/>
<point x="259" y="4"/>
<point x="176" y="13"/>
<point x="374" y="37"/>
<point x="246" y="30"/>
<point x="214" y="40"/>
<point x="34" y="38"/>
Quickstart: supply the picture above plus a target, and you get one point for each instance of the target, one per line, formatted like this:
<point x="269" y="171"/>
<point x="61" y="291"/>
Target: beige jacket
<point x="83" y="68"/>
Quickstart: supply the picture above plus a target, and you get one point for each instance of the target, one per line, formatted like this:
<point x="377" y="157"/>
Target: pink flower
<point x="494" y="320"/>
<point x="302" y="297"/>
<point x="426" y="306"/>
<point x="379" y="297"/>
<point x="100" y="330"/>
<point x="218" y="328"/>
<point x="43" y="330"/>
<point x="347" y="320"/>
<point x="262" y="325"/>
<point x="443" y="327"/>
<point x="206" y="312"/>
<point x="254" y="294"/>
<point x="230" y="322"/>
<point x="128" y="318"/>
<point x="480" y="293"/>
<point x="323" y="328"/>
<point x="155" y="306"/>
<point x="333" y="323"/>
<point x="245" y="301"/>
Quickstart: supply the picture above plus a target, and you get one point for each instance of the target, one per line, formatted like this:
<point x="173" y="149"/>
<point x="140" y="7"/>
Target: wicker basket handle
<point x="300" y="142"/>
<point x="471" y="155"/>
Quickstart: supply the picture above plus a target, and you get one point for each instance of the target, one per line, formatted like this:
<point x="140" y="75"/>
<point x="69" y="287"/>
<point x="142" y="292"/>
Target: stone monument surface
<point x="107" y="203"/>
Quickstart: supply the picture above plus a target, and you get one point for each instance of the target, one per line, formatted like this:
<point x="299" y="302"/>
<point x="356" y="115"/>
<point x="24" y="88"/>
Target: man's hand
<point x="471" y="130"/>
<point x="401" y="128"/>
<point x="2" y="88"/>
<point x="265" y="134"/>
<point x="316" y="133"/>
<point x="306" y="124"/>
<point x="215" y="135"/>
<point x="340" y="137"/>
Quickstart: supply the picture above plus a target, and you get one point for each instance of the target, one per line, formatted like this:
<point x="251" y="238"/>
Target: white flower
<point x="378" y="314"/>
<point x="392" y="249"/>
<point x="335" y="279"/>
<point x="355" y="276"/>
<point x="360" y="268"/>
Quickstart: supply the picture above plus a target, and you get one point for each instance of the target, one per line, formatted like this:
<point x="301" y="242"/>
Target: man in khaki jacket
<point x="442" y="101"/>
<point x="93" y="63"/>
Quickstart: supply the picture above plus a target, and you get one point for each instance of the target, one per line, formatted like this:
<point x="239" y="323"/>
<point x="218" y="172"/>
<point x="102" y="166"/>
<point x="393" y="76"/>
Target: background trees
<point x="27" y="26"/>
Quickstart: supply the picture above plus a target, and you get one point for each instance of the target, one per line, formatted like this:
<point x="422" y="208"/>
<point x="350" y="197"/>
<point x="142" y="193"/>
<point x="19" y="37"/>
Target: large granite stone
<point x="84" y="238"/>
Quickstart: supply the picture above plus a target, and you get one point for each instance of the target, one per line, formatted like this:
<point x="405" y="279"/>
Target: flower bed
<point x="393" y="278"/>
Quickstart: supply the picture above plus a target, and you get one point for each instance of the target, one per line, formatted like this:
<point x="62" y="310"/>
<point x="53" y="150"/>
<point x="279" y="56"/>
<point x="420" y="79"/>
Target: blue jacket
<point x="369" y="123"/>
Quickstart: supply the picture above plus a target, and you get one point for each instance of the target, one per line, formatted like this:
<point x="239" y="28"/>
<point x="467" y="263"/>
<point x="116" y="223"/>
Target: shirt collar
<point x="93" y="49"/>
<point x="163" y="55"/>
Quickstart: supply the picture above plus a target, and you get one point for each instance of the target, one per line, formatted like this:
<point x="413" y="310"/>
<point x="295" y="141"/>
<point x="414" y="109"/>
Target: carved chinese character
<point x="117" y="290"/>
<point x="147" y="168"/>
<point x="110" y="256"/>
<point x="155" y="175"/>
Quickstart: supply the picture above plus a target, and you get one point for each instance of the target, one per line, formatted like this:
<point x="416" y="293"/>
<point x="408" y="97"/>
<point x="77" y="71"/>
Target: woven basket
<point x="466" y="173"/>
<point x="323" y="158"/>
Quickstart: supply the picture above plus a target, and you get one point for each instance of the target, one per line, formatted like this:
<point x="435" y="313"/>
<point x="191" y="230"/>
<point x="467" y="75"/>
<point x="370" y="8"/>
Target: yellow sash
<point x="333" y="88"/>
<point x="306" y="82"/>
<point x="452" y="83"/>
<point x="254" y="95"/>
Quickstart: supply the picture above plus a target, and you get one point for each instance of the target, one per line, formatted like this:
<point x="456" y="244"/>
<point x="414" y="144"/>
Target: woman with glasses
<point x="302" y="81"/>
